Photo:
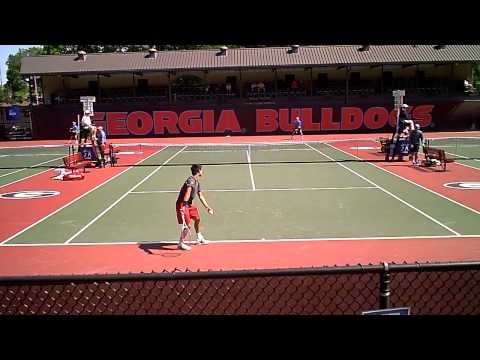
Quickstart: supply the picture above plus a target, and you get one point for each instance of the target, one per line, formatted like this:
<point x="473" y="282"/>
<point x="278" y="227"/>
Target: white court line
<point x="465" y="157"/>
<point x="74" y="200"/>
<point x="414" y="183"/>
<point x="31" y="167"/>
<point x="30" y="155"/>
<point x="32" y="146"/>
<point x="250" y="167"/>
<point x="122" y="197"/>
<point x="257" y="189"/>
<point x="462" y="164"/>
<point x="456" y="146"/>
<point x="175" y="242"/>
<point x="236" y="150"/>
<point x="389" y="193"/>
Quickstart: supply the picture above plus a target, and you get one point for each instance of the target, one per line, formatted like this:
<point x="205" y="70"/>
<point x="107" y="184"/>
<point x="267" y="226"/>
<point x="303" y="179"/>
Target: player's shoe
<point x="183" y="246"/>
<point x="202" y="240"/>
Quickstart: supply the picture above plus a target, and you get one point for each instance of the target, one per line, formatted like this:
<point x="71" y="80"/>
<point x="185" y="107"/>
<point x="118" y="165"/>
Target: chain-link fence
<point x="442" y="288"/>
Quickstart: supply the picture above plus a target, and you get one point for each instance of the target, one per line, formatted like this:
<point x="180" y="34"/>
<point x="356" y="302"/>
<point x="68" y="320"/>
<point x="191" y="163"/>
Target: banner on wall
<point x="146" y="120"/>
<point x="265" y="120"/>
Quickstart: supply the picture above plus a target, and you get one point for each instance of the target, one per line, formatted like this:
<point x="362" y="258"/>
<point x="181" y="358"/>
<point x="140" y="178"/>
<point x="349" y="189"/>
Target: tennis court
<point x="263" y="191"/>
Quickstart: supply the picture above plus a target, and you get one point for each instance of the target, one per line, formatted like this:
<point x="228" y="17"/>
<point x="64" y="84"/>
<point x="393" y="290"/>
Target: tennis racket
<point x="186" y="233"/>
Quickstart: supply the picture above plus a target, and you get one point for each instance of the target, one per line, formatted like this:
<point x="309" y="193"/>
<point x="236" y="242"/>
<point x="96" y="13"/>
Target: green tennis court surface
<point x="266" y="191"/>
<point x="464" y="150"/>
<point x="20" y="162"/>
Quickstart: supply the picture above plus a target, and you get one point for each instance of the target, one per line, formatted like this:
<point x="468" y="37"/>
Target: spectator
<point x="416" y="140"/>
<point x="294" y="85"/>
<point x="261" y="86"/>
<point x="228" y="87"/>
<point x="468" y="87"/>
<point x="253" y="87"/>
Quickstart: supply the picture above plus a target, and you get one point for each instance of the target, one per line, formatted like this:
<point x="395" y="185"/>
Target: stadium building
<point x="343" y="88"/>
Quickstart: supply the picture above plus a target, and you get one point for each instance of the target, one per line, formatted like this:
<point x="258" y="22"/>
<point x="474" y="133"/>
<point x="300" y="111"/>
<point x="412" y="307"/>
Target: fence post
<point x="385" y="287"/>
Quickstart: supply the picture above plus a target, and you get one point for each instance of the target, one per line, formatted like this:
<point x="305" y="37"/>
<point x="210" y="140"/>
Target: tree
<point x="3" y="94"/>
<point x="53" y="50"/>
<point x="15" y="83"/>
<point x="476" y="76"/>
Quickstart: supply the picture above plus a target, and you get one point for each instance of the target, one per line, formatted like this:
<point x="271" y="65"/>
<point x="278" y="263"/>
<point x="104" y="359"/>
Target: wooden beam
<point x="347" y="74"/>
<point x="276" y="82"/>
<point x="169" y="87"/>
<point x="43" y="91"/>
<point x="240" y="81"/>
<point x="311" y="81"/>
<point x="134" y="91"/>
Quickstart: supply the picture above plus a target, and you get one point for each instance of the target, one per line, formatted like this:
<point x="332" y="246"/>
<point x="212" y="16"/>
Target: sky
<point x="5" y="51"/>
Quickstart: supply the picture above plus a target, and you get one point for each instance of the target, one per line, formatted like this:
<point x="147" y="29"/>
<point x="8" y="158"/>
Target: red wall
<point x="143" y="120"/>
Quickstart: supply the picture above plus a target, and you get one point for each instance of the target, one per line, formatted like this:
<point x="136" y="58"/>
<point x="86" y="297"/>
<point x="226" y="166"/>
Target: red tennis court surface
<point x="131" y="258"/>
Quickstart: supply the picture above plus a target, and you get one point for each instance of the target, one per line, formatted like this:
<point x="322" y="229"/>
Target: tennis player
<point x="297" y="128"/>
<point x="186" y="210"/>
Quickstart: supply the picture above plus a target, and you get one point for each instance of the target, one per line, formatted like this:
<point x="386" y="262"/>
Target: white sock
<point x="199" y="235"/>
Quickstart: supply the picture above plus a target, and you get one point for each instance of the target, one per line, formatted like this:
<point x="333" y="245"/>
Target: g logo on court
<point x="464" y="185"/>
<point x="22" y="195"/>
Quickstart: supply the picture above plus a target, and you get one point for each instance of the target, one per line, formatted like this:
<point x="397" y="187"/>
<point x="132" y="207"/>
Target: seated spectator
<point x="468" y="87"/>
<point x="261" y="86"/>
<point x="253" y="87"/>
<point x="228" y="87"/>
<point x="294" y="85"/>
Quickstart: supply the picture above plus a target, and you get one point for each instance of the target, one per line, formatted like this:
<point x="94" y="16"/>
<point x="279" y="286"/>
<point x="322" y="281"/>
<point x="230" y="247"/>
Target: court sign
<point x="13" y="113"/>
<point x="395" y="311"/>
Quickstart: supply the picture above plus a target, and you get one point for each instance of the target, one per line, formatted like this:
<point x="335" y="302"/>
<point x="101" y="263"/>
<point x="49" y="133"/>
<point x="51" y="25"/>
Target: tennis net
<point x="355" y="150"/>
<point x="250" y="153"/>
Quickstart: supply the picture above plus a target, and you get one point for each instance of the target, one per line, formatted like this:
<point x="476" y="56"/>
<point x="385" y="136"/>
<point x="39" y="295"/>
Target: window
<point x="387" y="78"/>
<point x="354" y="77"/>
<point x="92" y="88"/>
<point x="420" y="78"/>
<point x="289" y="78"/>
<point x="322" y="80"/>
<point x="142" y="85"/>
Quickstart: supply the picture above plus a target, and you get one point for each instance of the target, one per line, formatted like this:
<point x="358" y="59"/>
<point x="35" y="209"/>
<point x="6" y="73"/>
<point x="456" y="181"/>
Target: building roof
<point x="247" y="58"/>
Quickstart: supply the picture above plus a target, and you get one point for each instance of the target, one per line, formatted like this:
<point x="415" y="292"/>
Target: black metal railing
<point x="440" y="288"/>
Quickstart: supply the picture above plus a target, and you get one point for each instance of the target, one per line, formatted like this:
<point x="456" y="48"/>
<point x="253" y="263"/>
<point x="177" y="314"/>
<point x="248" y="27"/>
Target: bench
<point x="435" y="154"/>
<point x="111" y="154"/>
<point x="75" y="162"/>
<point x="384" y="144"/>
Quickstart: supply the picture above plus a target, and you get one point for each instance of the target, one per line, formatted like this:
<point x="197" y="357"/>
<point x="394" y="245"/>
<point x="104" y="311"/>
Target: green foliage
<point x="53" y="49"/>
<point x="3" y="94"/>
<point x="476" y="76"/>
<point x="15" y="83"/>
